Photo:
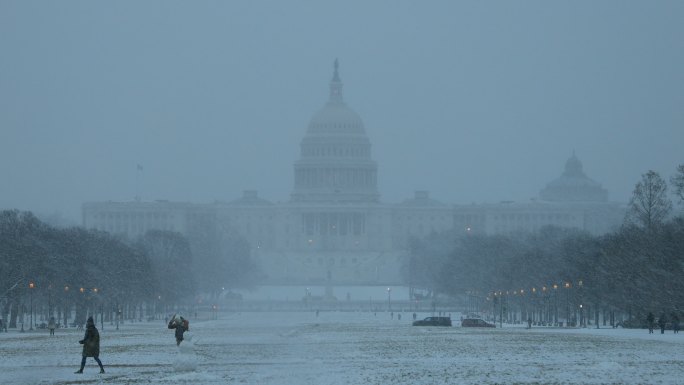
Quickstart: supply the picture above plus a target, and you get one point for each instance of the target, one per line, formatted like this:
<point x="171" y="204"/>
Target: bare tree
<point x="171" y="260"/>
<point x="677" y="181"/>
<point x="649" y="205"/>
<point x="69" y="268"/>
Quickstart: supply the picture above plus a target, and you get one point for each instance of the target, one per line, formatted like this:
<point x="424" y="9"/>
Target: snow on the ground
<point x="344" y="348"/>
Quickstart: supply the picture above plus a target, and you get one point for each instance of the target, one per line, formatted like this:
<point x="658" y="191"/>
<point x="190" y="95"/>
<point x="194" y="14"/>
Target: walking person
<point x="52" y="325"/>
<point x="181" y="325"/>
<point x="650" y="320"/>
<point x="91" y="345"/>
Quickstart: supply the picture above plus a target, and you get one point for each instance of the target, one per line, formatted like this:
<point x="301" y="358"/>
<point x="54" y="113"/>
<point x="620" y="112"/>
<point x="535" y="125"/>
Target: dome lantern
<point x="336" y="86"/>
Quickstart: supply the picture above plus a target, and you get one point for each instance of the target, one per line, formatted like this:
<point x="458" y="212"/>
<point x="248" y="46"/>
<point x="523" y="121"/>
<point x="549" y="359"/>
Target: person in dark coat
<point x="52" y="324"/>
<point x="662" y="322"/>
<point x="675" y="323"/>
<point x="177" y="322"/>
<point x="91" y="345"/>
<point x="650" y="320"/>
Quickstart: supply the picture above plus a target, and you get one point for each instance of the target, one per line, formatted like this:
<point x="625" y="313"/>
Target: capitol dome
<point x="335" y="162"/>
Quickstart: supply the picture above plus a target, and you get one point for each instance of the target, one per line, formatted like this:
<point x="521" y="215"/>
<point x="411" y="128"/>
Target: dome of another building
<point x="573" y="186"/>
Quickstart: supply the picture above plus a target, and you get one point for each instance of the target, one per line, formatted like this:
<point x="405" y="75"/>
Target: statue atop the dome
<point x="336" y="75"/>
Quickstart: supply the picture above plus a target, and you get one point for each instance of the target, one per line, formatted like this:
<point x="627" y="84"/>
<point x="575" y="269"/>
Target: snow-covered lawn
<point x="344" y="348"/>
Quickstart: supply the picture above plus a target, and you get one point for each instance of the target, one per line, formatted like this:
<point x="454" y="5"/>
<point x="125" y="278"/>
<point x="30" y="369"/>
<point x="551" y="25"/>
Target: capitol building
<point x="334" y="229"/>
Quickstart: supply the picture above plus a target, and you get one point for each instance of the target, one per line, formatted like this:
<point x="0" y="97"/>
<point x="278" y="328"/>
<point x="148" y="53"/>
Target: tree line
<point x="566" y="273"/>
<point x="69" y="273"/>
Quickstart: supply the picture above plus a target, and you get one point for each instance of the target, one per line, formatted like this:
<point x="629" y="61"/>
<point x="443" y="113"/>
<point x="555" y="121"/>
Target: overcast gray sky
<point x="477" y="101"/>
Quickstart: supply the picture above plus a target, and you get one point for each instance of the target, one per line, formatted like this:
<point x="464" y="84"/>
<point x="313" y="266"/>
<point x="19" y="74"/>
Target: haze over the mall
<point x="472" y="101"/>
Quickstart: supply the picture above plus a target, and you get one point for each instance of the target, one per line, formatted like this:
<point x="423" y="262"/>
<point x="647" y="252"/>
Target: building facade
<point x="334" y="228"/>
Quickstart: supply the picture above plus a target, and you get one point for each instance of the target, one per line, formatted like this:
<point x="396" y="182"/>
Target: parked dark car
<point x="476" y="323"/>
<point x="433" y="321"/>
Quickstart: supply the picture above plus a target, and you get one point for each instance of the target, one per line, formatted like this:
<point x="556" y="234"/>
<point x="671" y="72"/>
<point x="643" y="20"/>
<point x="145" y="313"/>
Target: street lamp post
<point x="567" y="303"/>
<point x="66" y="305"/>
<point x="555" y="310"/>
<point x="96" y="290"/>
<point x="158" y="308"/>
<point x="389" y="299"/>
<point x="533" y="303"/>
<point x="523" y="306"/>
<point x="31" y="287"/>
<point x="494" y="301"/>
<point x="512" y="311"/>
<point x="49" y="300"/>
<point x="545" y="306"/>
<point x="82" y="303"/>
<point x="307" y="298"/>
<point x="504" y="305"/>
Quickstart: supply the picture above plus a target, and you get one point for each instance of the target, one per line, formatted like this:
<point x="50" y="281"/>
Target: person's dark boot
<point x="101" y="370"/>
<point x="79" y="371"/>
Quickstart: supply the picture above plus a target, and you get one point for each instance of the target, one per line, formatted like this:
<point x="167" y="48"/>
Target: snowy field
<point x="344" y="348"/>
